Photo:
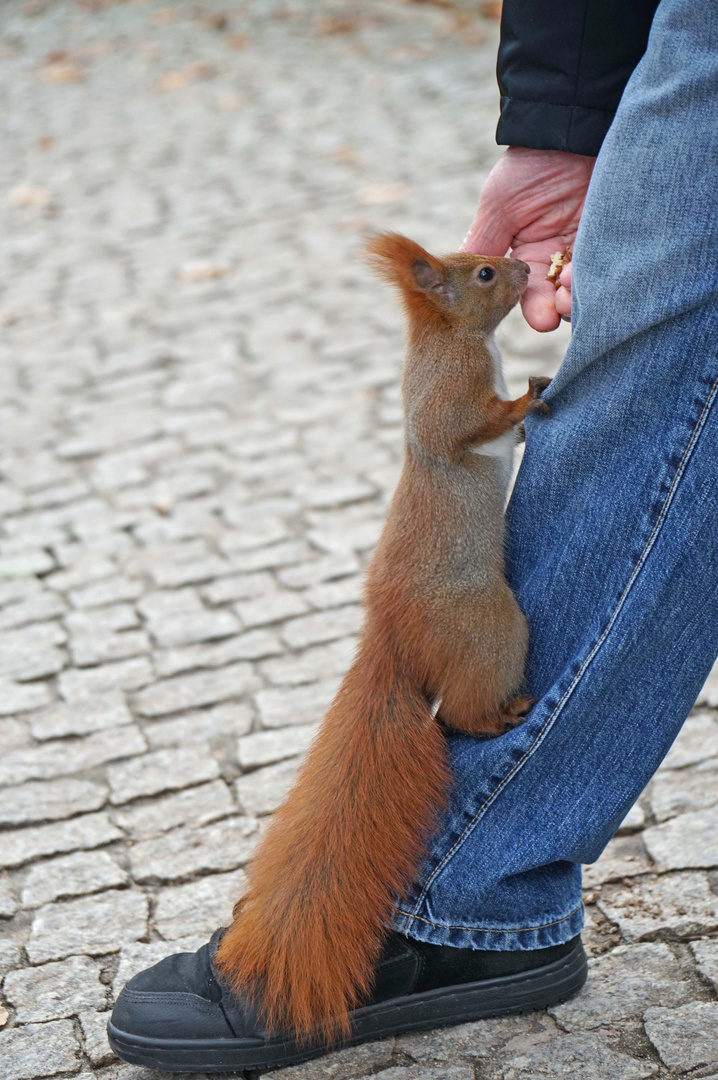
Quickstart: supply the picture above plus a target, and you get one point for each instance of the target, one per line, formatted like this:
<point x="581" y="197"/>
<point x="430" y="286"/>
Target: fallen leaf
<point x="231" y="102"/>
<point x="402" y="53"/>
<point x="336" y="24"/>
<point x="163" y="505"/>
<point x="216" y="21"/>
<point x="164" y="14"/>
<point x="490" y="9"/>
<point x="355" y="224"/>
<point x="380" y="194"/>
<point x="238" y="41"/>
<point x="175" y="80"/>
<point x="62" y="72"/>
<point x="93" y="49"/>
<point x="45" y="142"/>
<point x="473" y="35"/>
<point x="29" y="195"/>
<point x="204" y="270"/>
<point x="465" y="25"/>
<point x="149" y="50"/>
<point x="345" y="155"/>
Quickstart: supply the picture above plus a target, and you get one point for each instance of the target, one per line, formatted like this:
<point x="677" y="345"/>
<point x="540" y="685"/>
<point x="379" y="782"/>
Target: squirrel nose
<point x="523" y="265"/>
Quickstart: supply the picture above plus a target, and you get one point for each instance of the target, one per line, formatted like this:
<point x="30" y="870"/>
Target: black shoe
<point x="179" y="1016"/>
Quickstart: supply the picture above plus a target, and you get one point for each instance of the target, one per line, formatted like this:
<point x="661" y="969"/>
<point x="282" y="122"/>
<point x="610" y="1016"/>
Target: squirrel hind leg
<point x="515" y="710"/>
<point x="503" y="719"/>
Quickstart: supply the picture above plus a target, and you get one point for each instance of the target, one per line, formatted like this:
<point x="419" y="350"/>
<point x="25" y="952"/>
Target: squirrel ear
<point x="427" y="277"/>
<point x="405" y="263"/>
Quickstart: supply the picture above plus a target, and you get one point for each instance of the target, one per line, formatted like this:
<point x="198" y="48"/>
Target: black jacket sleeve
<point x="562" y="67"/>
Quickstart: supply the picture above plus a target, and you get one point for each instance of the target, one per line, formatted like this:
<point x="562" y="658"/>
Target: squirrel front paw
<point x="537" y="385"/>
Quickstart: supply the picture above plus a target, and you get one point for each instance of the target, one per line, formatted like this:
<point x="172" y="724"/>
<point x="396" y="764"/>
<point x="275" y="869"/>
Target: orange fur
<point x="442" y="625"/>
<point x="335" y="855"/>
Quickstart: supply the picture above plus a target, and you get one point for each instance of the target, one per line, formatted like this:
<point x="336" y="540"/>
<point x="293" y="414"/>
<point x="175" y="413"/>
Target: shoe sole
<point x="523" y="992"/>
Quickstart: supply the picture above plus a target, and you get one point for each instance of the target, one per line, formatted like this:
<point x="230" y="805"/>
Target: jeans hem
<point x="493" y="939"/>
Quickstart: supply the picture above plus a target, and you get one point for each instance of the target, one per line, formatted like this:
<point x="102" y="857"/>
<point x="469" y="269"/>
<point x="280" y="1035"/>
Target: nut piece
<point x="559" y="259"/>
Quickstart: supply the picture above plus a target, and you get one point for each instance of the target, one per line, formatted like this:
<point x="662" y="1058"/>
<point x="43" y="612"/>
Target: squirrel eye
<point x="486" y="273"/>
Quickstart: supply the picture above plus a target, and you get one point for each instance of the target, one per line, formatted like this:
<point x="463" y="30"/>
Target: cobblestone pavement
<point x="200" y="429"/>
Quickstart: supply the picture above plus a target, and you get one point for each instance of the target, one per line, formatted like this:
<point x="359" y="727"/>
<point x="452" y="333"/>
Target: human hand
<point x="531" y="203"/>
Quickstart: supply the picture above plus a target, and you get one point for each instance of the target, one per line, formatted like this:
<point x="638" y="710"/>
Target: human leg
<point x="613" y="551"/>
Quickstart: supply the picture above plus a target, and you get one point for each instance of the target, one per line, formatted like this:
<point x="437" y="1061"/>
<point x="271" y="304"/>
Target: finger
<point x="538" y="304"/>
<point x="491" y="232"/>
<point x="563" y="300"/>
<point x="565" y="276"/>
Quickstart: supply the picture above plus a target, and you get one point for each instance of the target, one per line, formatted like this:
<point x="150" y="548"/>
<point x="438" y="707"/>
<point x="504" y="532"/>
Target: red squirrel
<point x="442" y="631"/>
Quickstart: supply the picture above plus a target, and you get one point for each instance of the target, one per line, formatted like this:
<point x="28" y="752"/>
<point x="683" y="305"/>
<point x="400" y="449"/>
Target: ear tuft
<point x="405" y="263"/>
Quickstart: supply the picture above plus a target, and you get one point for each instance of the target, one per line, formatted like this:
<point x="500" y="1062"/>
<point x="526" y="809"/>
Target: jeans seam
<point x="492" y="929"/>
<point x="551" y="719"/>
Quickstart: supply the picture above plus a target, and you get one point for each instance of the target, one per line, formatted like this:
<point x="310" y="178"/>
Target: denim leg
<point x="613" y="538"/>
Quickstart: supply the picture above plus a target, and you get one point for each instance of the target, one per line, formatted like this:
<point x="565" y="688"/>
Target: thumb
<point x="491" y="232"/>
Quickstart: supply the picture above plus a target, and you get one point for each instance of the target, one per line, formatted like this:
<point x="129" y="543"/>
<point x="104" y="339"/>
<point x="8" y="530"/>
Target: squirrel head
<point x="469" y="291"/>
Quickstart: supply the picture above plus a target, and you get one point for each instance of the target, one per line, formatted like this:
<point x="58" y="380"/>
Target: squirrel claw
<point x="515" y="711"/>
<point x="537" y="385"/>
<point x="540" y="406"/>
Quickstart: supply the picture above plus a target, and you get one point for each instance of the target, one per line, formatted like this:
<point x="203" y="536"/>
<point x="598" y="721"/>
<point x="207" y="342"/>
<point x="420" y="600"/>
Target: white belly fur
<point x="503" y="447"/>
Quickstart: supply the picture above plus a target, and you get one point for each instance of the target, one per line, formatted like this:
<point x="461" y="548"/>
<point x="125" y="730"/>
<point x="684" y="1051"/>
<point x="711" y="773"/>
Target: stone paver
<point x="37" y="801"/>
<point x="21" y="846"/>
<point x="55" y="990"/>
<point x="94" y="1037"/>
<point x="677" y="791"/>
<point x="262" y="791"/>
<point x="623" y="857"/>
<point x="9" y="955"/>
<point x="674" y="906"/>
<point x="201" y="429"/>
<point x="689" y="840"/>
<point x="190" y="691"/>
<point x="686" y="1037"/>
<point x="80" y="718"/>
<point x="183" y="853"/>
<point x="706" y="953"/>
<point x="8" y="901"/>
<point x="71" y="875"/>
<point x="266" y="747"/>
<point x="199" y="907"/>
<point x="94" y="925"/>
<point x="58" y="758"/>
<point x="193" y="806"/>
<point x="575" y="1056"/>
<point x="31" y="1050"/>
<point x="623" y="983"/>
<point x="161" y="770"/>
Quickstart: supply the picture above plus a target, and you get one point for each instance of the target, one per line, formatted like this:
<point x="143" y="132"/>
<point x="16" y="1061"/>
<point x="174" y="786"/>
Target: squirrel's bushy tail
<point x="348" y="840"/>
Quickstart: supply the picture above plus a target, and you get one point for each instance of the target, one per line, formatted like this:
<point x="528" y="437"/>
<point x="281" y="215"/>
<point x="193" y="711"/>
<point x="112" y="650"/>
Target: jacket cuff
<point x="541" y="126"/>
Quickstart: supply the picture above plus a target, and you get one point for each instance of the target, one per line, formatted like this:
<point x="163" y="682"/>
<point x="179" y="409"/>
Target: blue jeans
<point x="613" y="525"/>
